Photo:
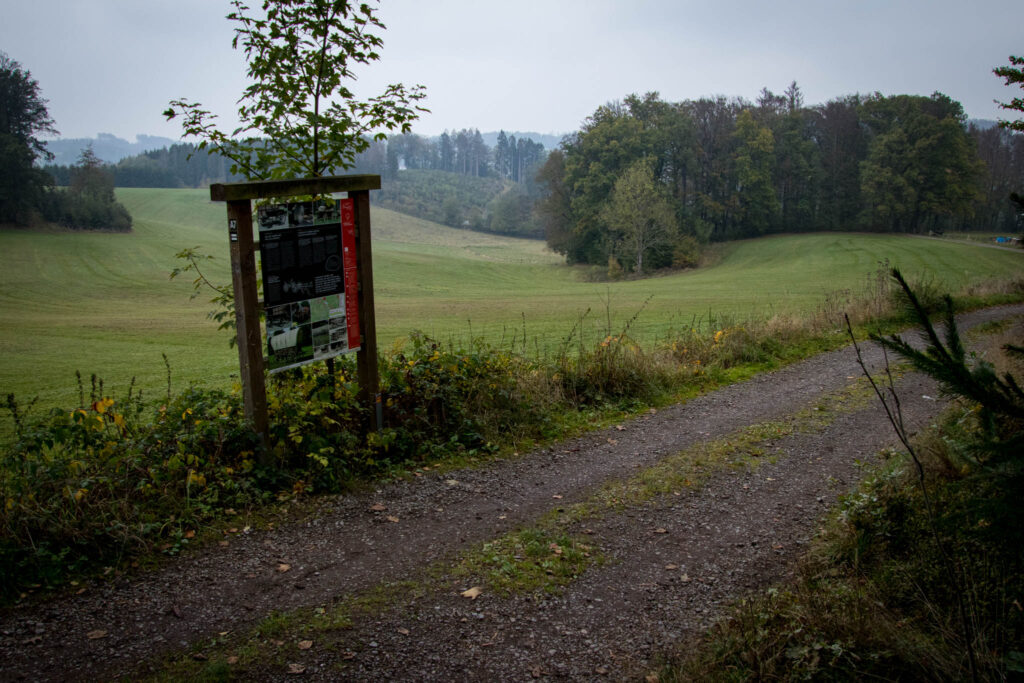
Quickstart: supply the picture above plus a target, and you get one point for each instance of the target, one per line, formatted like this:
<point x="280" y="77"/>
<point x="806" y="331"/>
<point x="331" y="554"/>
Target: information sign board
<point x="308" y="261"/>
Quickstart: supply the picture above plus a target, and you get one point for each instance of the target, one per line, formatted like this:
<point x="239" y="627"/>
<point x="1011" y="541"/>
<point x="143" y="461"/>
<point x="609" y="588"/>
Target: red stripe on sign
<point x="348" y="248"/>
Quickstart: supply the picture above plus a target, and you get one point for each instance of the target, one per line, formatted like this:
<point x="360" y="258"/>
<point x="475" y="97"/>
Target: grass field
<point x="103" y="303"/>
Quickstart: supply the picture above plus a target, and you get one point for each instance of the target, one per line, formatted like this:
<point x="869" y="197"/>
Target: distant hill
<point x="107" y="147"/>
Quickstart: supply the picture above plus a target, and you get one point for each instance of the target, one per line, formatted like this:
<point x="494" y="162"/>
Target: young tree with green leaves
<point x="641" y="221"/>
<point x="298" y="116"/>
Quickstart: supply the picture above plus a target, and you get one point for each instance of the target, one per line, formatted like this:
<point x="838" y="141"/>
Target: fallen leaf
<point x="230" y="511"/>
<point x="684" y="578"/>
<point x="378" y="507"/>
<point x="555" y="548"/>
<point x="232" y="660"/>
<point x="97" y="634"/>
<point x="451" y="482"/>
<point x="620" y="428"/>
<point x="588" y="531"/>
<point x="404" y="631"/>
<point x="279" y="643"/>
<point x="296" y="668"/>
<point x="223" y="544"/>
<point x="348" y="655"/>
<point x="660" y="530"/>
<point x="79" y="591"/>
<point x="305" y="644"/>
<point x="612" y="441"/>
<point x="601" y="670"/>
<point x="651" y="678"/>
<point x="671" y="567"/>
<point x="190" y="534"/>
<point x="557" y="497"/>
<point x="472" y="593"/>
<point x="392" y="519"/>
<point x="233" y="530"/>
<point x="283" y="567"/>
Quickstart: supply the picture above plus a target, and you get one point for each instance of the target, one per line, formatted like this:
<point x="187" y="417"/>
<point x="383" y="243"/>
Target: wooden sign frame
<point x="239" y="198"/>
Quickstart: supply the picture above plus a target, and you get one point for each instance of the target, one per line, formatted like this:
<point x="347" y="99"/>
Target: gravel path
<point x="740" y="530"/>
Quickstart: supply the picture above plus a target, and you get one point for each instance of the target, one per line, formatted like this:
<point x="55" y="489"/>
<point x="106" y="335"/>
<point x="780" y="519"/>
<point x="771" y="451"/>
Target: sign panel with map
<point x="308" y="259"/>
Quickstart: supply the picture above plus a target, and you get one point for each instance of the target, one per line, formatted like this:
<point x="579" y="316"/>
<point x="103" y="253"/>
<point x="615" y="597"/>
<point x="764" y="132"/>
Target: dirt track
<point x="741" y="529"/>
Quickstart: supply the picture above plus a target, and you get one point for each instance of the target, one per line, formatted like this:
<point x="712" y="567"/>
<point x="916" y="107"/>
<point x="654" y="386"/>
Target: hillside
<point x="102" y="303"/>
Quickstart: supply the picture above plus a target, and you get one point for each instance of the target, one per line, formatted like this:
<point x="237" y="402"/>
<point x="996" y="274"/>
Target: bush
<point x="82" y="211"/>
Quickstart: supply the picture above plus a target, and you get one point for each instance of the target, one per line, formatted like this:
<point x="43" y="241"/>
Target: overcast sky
<point x="112" y="65"/>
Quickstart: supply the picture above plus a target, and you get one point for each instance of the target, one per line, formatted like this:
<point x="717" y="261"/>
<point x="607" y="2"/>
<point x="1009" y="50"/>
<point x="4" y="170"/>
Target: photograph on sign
<point x="306" y="253"/>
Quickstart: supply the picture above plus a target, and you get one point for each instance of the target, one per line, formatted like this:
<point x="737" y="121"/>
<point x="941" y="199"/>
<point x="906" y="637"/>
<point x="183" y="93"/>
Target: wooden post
<point x="243" y="278"/>
<point x="366" y="357"/>
<point x="247" y="316"/>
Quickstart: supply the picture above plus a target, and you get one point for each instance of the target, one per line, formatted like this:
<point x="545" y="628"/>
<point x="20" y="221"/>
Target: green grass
<point x="102" y="303"/>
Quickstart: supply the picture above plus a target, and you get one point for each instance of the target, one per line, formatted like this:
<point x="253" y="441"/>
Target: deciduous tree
<point x="921" y="165"/>
<point x="640" y="219"/>
<point x="23" y="119"/>
<point x="754" y="158"/>
<point x="298" y="115"/>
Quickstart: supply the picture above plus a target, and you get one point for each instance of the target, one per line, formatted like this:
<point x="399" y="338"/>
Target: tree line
<point x="644" y="182"/>
<point x="455" y="179"/>
<point x="463" y="152"/>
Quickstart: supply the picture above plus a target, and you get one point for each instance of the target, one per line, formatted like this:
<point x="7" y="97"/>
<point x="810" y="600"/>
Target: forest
<point x="644" y="182"/>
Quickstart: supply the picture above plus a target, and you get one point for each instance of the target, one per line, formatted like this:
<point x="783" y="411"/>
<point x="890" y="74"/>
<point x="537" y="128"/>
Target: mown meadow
<point x="103" y="303"/>
<point x="487" y="348"/>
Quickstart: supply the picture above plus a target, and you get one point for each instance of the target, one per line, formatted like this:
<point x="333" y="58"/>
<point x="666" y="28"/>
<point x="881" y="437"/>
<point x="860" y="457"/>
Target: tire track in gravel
<point x="347" y="549"/>
<point x="739" y="531"/>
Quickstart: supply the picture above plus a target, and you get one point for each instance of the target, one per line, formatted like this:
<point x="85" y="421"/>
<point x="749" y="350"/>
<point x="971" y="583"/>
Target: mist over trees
<point x="732" y="169"/>
<point x="455" y="179"/>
